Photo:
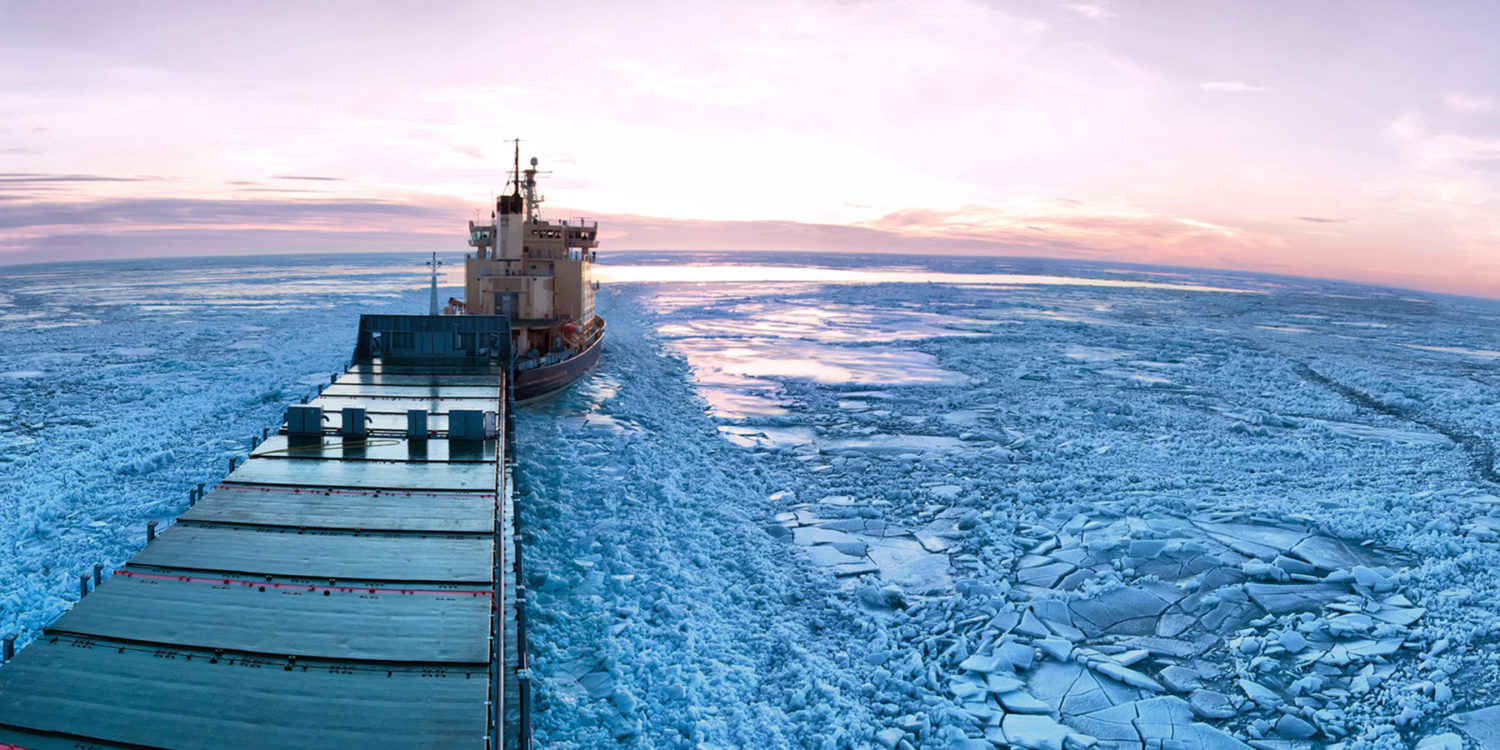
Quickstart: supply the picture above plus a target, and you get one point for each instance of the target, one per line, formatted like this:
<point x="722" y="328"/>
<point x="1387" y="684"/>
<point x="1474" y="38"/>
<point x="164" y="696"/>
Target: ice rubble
<point x="1126" y="521"/>
<point x="1297" y="601"/>
<point x="1120" y="664"/>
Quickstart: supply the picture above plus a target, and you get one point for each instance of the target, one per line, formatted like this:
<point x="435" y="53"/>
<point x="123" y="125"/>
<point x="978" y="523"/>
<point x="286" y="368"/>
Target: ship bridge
<point x="352" y="583"/>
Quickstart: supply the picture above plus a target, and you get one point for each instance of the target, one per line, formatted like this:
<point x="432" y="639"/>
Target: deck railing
<point x="553" y="358"/>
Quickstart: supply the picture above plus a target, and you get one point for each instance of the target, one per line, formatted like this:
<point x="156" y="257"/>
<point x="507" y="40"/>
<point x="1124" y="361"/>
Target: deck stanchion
<point x="521" y="660"/>
<point x="9" y="651"/>
<point x="83" y="586"/>
<point x="192" y="498"/>
<point x="523" y="698"/>
<point x="150" y="531"/>
<point x="231" y="464"/>
<point x="98" y="575"/>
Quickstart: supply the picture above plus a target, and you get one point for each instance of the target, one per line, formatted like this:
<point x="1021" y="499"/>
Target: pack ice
<point x="926" y="515"/>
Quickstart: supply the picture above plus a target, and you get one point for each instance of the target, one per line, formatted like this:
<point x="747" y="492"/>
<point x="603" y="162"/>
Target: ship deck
<point x="328" y="593"/>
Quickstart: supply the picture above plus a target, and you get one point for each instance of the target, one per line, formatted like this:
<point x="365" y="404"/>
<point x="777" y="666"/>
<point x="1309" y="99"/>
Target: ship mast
<point x="432" y="305"/>
<point x="533" y="200"/>
<point x="515" y="173"/>
<point x="526" y="188"/>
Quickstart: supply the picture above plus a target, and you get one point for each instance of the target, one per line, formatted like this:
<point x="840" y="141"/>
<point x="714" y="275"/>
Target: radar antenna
<point x="534" y="199"/>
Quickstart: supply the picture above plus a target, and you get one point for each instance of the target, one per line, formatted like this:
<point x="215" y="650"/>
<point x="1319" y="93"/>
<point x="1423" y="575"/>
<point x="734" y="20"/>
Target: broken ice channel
<point x="1124" y="632"/>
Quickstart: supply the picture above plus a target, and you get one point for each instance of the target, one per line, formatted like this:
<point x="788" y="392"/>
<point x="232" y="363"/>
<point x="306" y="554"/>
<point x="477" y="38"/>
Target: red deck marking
<point x="294" y="586"/>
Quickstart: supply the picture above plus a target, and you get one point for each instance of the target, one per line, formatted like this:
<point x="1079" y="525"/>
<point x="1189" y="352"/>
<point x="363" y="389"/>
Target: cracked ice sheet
<point x="1225" y="453"/>
<point x="1151" y="723"/>
<point x="1482" y="725"/>
<point x="856" y="546"/>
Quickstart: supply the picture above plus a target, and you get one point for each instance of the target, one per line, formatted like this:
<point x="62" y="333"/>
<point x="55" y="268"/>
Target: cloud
<point x="1069" y="232"/>
<point x="154" y="213"/>
<point x="1436" y="151"/>
<point x="27" y="178"/>
<point x="630" y="232"/>
<point x="1091" y="11"/>
<point x="1451" y="148"/>
<point x="305" y="177"/>
<point x="75" y="246"/>
<point x="280" y="190"/>
<point x="1461" y="102"/>
<point x="1209" y="226"/>
<point x="1230" y="87"/>
<point x="1321" y="219"/>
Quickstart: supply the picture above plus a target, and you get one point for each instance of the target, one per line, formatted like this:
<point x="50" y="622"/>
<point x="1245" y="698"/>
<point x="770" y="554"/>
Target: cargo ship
<point x="356" y="580"/>
<point x="537" y="273"/>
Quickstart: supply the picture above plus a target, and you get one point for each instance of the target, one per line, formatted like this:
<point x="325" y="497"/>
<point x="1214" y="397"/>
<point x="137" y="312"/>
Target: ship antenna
<point x="516" y="169"/>
<point x="432" y="306"/>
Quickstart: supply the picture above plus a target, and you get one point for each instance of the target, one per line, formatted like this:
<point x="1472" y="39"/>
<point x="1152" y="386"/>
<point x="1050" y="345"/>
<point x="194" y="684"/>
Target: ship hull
<point x="537" y="383"/>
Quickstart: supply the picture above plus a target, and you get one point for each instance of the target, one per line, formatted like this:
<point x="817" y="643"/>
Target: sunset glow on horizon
<point x="1348" y="140"/>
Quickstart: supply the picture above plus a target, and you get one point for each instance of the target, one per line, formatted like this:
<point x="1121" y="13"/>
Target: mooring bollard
<point x="98" y="575"/>
<point x="334" y="378"/>
<point x="265" y="432"/>
<point x="192" y="498"/>
<point x="231" y="464"/>
<point x="10" y="648"/>
<point x="83" y="586"/>
<point x="150" y="531"/>
<point x="254" y="441"/>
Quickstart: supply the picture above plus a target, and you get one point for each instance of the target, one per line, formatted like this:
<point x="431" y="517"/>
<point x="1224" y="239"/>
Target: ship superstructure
<point x="538" y="273"/>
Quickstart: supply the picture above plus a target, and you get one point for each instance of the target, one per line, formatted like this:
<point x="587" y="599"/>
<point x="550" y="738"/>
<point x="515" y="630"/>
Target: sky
<point x="1353" y="140"/>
